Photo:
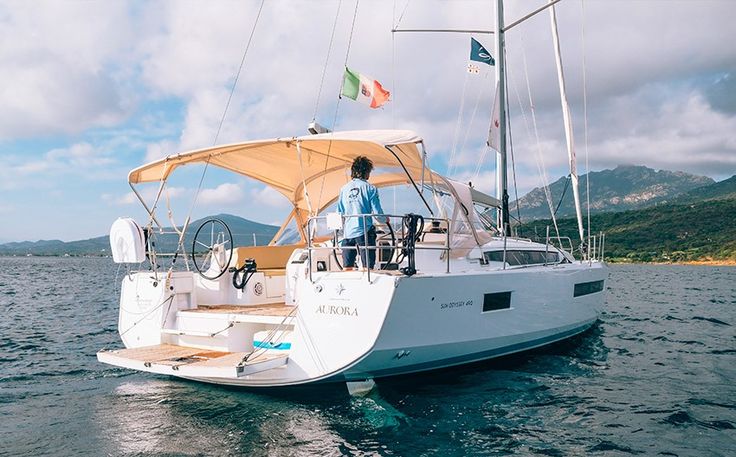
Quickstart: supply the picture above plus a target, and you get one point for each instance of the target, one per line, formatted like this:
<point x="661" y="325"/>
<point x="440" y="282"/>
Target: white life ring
<point x="127" y="242"/>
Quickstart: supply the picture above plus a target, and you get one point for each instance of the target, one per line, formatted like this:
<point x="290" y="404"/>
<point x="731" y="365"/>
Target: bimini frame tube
<point x="150" y="212"/>
<point x="388" y="148"/>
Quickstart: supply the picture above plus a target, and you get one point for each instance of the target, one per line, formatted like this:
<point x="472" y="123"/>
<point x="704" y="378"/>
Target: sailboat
<point x="451" y="286"/>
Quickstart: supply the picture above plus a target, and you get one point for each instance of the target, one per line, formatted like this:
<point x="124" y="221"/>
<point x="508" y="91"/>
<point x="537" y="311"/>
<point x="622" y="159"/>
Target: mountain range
<point x="626" y="187"/>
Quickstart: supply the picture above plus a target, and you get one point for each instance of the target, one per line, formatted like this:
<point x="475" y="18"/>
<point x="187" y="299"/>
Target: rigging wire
<point x="393" y="67"/>
<point x="529" y="133"/>
<point x="337" y="106"/>
<point x="585" y="123"/>
<point x="393" y="61"/>
<point x="475" y="111"/>
<point x="481" y="160"/>
<point x="180" y="245"/>
<point x="564" y="191"/>
<point x="541" y="167"/>
<point x="402" y="14"/>
<point x="458" y="123"/>
<point x="237" y="75"/>
<point x="352" y="29"/>
<point x="511" y="147"/>
<point x="393" y="82"/>
<point x="327" y="61"/>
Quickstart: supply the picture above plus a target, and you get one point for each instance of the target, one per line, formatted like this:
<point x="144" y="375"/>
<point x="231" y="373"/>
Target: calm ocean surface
<point x="656" y="376"/>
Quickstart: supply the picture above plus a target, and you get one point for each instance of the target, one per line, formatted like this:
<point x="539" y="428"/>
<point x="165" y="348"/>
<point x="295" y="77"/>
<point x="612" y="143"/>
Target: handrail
<point x="310" y="247"/>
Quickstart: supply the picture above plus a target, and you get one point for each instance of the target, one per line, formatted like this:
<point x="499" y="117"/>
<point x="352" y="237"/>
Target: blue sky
<point x="91" y="90"/>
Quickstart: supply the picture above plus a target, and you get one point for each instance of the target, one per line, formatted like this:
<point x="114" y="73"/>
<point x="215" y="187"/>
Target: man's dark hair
<point x="362" y="167"/>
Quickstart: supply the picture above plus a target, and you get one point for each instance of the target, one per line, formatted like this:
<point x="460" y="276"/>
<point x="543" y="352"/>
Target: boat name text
<point x="337" y="310"/>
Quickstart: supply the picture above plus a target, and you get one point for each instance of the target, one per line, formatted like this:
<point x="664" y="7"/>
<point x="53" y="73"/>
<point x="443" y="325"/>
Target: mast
<point x="501" y="167"/>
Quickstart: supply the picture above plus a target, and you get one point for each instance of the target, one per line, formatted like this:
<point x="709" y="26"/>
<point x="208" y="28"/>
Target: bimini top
<point x="288" y="164"/>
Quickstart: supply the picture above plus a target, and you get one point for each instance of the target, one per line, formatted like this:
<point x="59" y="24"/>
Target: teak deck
<point x="172" y="355"/>
<point x="274" y="309"/>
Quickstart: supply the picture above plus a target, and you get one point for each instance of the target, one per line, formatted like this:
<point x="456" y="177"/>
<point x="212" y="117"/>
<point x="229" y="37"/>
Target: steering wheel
<point x="380" y="236"/>
<point x="383" y="236"/>
<point x="211" y="237"/>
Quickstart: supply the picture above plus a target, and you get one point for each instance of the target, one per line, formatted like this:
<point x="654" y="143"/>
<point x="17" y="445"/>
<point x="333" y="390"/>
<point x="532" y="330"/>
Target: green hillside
<point x="704" y="230"/>
<point x="722" y="190"/>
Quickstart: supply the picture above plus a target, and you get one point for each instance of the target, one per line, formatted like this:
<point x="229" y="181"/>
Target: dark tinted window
<point x="585" y="288"/>
<point x="499" y="300"/>
<point x="522" y="257"/>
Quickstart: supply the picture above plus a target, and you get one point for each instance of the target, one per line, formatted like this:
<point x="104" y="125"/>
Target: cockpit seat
<point x="271" y="260"/>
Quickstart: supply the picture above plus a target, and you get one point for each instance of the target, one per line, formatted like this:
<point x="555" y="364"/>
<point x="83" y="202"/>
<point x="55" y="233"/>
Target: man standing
<point x="359" y="197"/>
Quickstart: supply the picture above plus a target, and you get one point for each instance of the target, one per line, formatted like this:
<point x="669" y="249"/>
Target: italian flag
<point x="363" y="89"/>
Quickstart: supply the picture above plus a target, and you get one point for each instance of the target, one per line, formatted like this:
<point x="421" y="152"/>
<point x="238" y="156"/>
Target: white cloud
<point x="224" y="194"/>
<point x="276" y="96"/>
<point x="161" y="149"/>
<point x="148" y="194"/>
<point x="267" y="196"/>
<point x="58" y="65"/>
<point x="80" y="161"/>
<point x="683" y="132"/>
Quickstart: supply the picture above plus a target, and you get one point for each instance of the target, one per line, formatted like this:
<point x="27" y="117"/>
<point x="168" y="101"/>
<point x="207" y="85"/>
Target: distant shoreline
<point x="706" y="262"/>
<point x="720" y="263"/>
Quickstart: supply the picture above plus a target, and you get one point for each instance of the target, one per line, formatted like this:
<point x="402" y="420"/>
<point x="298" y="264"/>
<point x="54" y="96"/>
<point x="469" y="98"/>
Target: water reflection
<point x="170" y="416"/>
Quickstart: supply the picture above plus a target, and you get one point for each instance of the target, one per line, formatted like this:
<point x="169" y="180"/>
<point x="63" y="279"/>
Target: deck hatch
<point x="496" y="301"/>
<point x="585" y="288"/>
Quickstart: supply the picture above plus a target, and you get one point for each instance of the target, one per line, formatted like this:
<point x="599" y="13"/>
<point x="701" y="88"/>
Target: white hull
<point x="347" y="329"/>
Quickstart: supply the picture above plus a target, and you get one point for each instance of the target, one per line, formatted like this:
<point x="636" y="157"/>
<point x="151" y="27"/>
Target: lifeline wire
<point x="168" y="299"/>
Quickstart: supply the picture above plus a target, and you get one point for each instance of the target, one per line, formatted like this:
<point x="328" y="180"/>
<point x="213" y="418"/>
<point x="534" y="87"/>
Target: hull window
<point x="514" y="258"/>
<point x="585" y="288"/>
<point x="499" y="300"/>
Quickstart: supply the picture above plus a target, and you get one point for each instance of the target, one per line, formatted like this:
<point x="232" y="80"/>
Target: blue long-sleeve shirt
<point x="358" y="197"/>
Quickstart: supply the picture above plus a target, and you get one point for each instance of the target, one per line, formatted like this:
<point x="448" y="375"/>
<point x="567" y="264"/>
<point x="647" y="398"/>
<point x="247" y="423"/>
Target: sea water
<point x="655" y="376"/>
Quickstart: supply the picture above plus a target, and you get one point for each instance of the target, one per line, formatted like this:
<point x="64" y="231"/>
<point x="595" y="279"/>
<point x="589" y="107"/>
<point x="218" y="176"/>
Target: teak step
<point x="274" y="313"/>
<point x="191" y="362"/>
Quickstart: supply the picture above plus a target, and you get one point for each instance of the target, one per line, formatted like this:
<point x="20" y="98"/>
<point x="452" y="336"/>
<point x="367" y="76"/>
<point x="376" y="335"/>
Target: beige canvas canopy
<point x="319" y="162"/>
<point x="310" y="170"/>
